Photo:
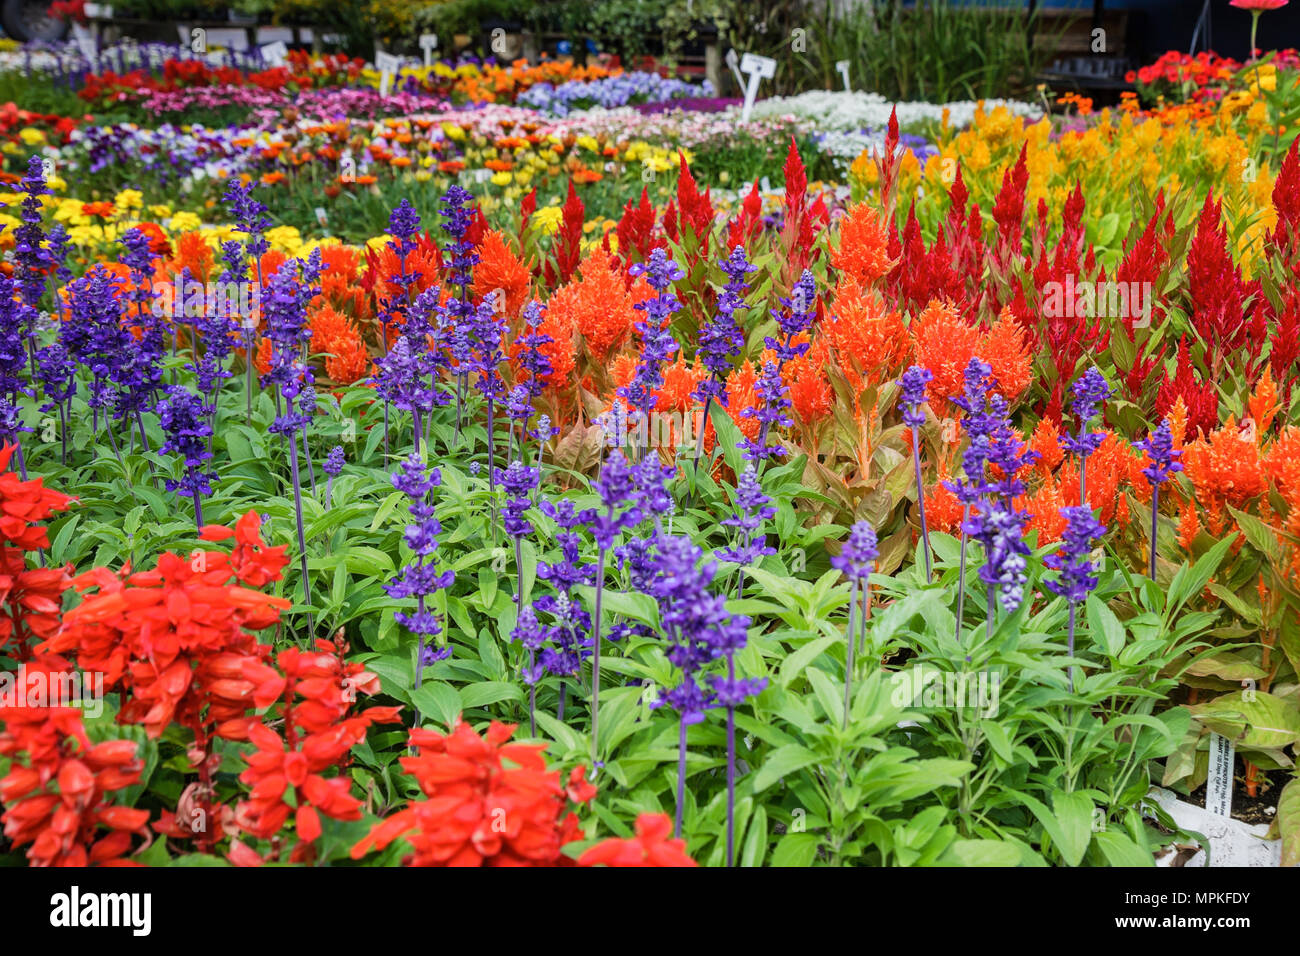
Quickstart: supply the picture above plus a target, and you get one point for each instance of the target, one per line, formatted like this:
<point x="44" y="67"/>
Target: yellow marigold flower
<point x="129" y="199"/>
<point x="185" y="222"/>
<point x="31" y="136"/>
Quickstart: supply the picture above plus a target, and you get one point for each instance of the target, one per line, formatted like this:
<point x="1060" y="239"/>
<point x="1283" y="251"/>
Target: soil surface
<point x="1262" y="807"/>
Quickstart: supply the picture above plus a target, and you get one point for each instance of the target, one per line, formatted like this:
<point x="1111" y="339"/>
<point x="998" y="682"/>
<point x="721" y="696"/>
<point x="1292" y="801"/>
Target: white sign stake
<point x="273" y="54"/>
<point x="387" y="65"/>
<point x="428" y="43"/>
<point x="759" y="68"/>
<point x="733" y="61"/>
<point x="1218" y="785"/>
<point x="842" y="67"/>
<point x="85" y="42"/>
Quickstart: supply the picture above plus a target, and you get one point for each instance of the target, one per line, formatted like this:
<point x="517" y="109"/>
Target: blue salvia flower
<point x="184" y="420"/>
<point x="750" y="509"/>
<point x="657" y="343"/>
<point x="721" y="338"/>
<point x="1076" y="570"/>
<point x="1159" y="446"/>
<point x="419" y="578"/>
<point x="774" y="399"/>
<point x="1090" y="390"/>
<point x="519" y="482"/>
<point x="795" y="318"/>
<point x="912" y="398"/>
<point x="699" y="630"/>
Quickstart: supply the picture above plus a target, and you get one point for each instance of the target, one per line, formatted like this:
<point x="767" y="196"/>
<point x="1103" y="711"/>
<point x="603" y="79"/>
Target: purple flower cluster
<point x="752" y="507"/>
<point x="1159" y="446"/>
<point x="519" y="482"/>
<point x="184" y="420"/>
<point x="695" y="623"/>
<point x="1073" y="560"/>
<point x="657" y="343"/>
<point x="419" y="578"/>
<point x="859" y="554"/>
<point x="721" y="338"/>
<point x="774" y="400"/>
<point x="1089" y="391"/>
<point x="913" y="384"/>
<point x="288" y="293"/>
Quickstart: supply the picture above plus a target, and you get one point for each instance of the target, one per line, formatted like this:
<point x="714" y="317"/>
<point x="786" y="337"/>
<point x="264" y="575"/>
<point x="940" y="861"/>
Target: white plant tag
<point x="758" y="68"/>
<point x="321" y="217"/>
<point x="428" y="43"/>
<point x="842" y="67"/>
<point x="273" y="54"/>
<point x="85" y="41"/>
<point x="1218" y="785"/>
<point x="387" y="65"/>
<point x="733" y="61"/>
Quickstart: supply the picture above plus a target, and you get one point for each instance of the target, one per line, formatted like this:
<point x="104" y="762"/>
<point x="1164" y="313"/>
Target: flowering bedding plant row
<point x="928" y="521"/>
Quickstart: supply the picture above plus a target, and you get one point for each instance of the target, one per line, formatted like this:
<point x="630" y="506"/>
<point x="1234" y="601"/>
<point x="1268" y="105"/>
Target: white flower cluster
<point x="857" y="110"/>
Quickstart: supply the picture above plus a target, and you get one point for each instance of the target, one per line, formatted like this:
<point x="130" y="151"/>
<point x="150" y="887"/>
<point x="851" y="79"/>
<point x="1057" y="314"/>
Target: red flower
<point x="650" y="847"/>
<point x="57" y="787"/>
<point x="488" y="803"/>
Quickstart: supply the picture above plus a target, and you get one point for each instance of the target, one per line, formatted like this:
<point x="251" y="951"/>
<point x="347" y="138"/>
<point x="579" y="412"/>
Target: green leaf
<point x="489" y="692"/>
<point x="1074" y="811"/>
<point x="782" y="762"/>
<point x="1288" y="822"/>
<point x="796" y="850"/>
<point x="438" y="701"/>
<point x="1120" y="850"/>
<point x="980" y="853"/>
<point x="1105" y="626"/>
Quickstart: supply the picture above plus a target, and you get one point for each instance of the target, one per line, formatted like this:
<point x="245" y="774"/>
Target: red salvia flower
<point x="487" y="803"/>
<point x="652" y="846"/>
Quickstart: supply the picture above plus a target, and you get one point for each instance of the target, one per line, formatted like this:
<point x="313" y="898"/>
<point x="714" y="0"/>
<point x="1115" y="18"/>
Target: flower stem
<point x="731" y="768"/>
<point x="595" y="665"/>
<point x="681" y="777"/>
<point x="1155" y="524"/>
<point x="920" y="504"/>
<point x="302" y="537"/>
<point x="848" y="652"/>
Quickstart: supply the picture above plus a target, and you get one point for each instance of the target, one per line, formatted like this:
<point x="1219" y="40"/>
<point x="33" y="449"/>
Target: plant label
<point x="733" y="61"/>
<point x="387" y="65"/>
<point x="758" y="68"/>
<point x="85" y="42"/>
<point x="1218" y="785"/>
<point x="842" y="68"/>
<point x="428" y="43"/>
<point x="273" y="54"/>
<point x="98" y="11"/>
